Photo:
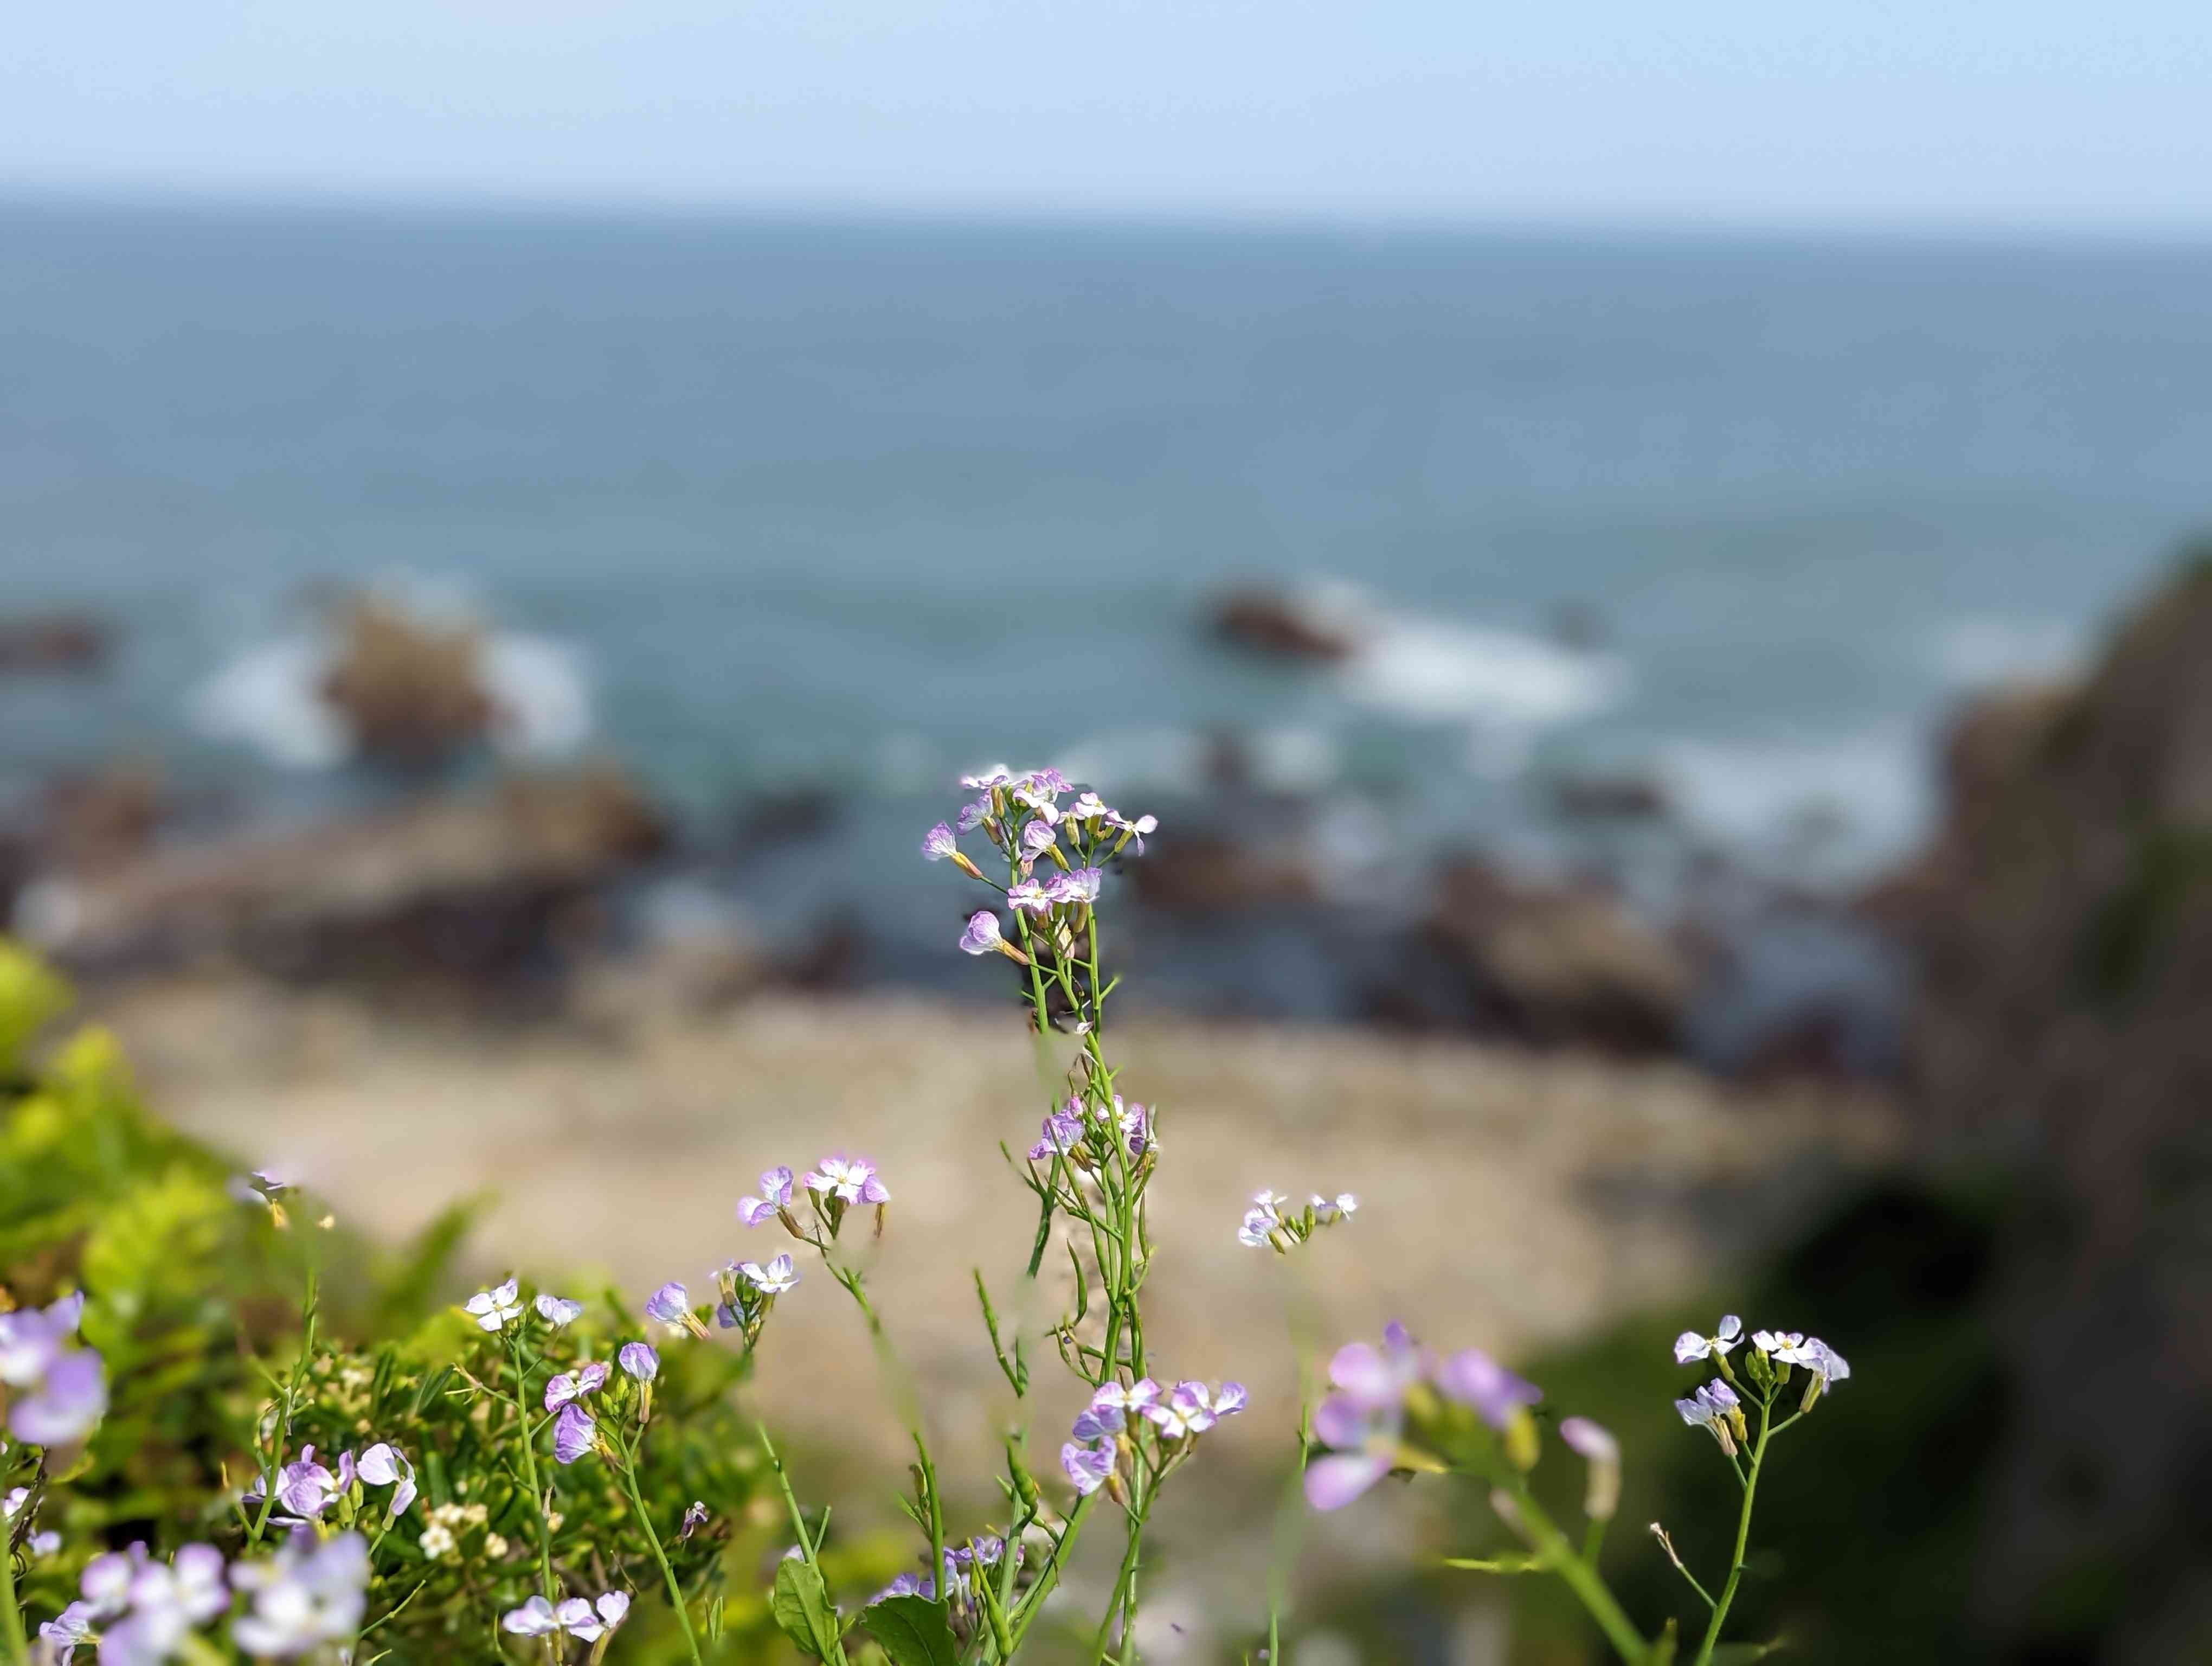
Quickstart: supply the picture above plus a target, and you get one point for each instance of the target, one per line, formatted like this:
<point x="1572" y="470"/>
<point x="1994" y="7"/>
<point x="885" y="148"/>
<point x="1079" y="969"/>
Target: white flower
<point x="437" y="1541"/>
<point x="557" y="1310"/>
<point x="1328" y="1211"/>
<point x="495" y="1308"/>
<point x="770" y="1281"/>
<point x="1690" y="1345"/>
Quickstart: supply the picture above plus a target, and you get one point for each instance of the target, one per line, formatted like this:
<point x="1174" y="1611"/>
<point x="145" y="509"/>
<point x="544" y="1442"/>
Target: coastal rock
<point x="2063" y="925"/>
<point x="492" y="886"/>
<point x="1553" y="964"/>
<point x="410" y="687"/>
<point x="1283" y="625"/>
<point x="58" y="641"/>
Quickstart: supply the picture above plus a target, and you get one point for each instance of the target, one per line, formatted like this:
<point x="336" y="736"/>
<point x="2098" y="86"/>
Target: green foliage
<point x="912" y="1631"/>
<point x="195" y="1302"/>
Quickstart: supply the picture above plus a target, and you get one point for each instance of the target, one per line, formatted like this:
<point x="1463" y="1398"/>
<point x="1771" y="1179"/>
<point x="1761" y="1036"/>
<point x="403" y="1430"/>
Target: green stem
<point x="11" y="1616"/>
<point x="282" y="1432"/>
<point x="1125" y="1593"/>
<point x="530" y="1471"/>
<point x="653" y="1541"/>
<point x="1742" y="1539"/>
<point x="1579" y="1576"/>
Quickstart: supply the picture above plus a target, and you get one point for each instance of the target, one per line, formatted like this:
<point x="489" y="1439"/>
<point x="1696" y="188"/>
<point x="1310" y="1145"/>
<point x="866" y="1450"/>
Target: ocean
<point x="780" y="506"/>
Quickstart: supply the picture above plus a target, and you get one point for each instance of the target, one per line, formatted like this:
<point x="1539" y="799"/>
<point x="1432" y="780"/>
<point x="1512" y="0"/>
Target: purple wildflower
<point x="1087" y="1467"/>
<point x="1689" y="1345"/>
<point x="1063" y="1132"/>
<point x="1035" y="837"/>
<point x="1080" y="886"/>
<point x="938" y="843"/>
<point x="639" y="1361"/>
<point x="997" y="775"/>
<point x="1026" y="894"/>
<point x="588" y="1621"/>
<point x="774" y="1198"/>
<point x="68" y="1631"/>
<point x="982" y="937"/>
<point x="558" y="1312"/>
<point x="973" y="816"/>
<point x="695" y="1518"/>
<point x="575" y="1385"/>
<point x="853" y="1179"/>
<point x="307" y="1595"/>
<point x="66" y="1406"/>
<point x="385" y="1465"/>
<point x="535" y="1618"/>
<point x="671" y="1305"/>
<point x="1132" y="1398"/>
<point x="1472" y="1378"/>
<point x="1712" y="1408"/>
<point x="1359" y="1421"/>
<point x="1601" y="1452"/>
<point x="770" y="1281"/>
<point x="305" y="1487"/>
<point x="1098" y="1423"/>
<point x="573" y="1432"/>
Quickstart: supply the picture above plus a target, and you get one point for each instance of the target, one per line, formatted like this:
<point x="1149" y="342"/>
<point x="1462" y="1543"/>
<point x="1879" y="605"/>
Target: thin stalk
<point x="653" y="1541"/>
<point x="1124" y="1592"/>
<point x="308" y="1313"/>
<point x="1742" y="1539"/>
<point x="530" y="1471"/>
<point x="11" y="1616"/>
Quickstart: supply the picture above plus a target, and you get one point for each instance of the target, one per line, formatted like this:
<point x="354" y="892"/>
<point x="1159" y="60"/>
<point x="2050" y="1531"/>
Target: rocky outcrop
<point x="1550" y="964"/>
<point x="411" y="689"/>
<point x="481" y="888"/>
<point x="2062" y="927"/>
<point x="1283" y="625"/>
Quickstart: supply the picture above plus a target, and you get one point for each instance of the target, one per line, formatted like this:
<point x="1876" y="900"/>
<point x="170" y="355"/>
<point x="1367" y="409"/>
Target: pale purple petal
<point x="639" y="1361"/>
<point x="1333" y="1482"/>
<point x="573" y="1433"/>
<point x="1472" y="1378"/>
<point x="533" y="1618"/>
<point x="938" y="843"/>
<point x="982" y="936"/>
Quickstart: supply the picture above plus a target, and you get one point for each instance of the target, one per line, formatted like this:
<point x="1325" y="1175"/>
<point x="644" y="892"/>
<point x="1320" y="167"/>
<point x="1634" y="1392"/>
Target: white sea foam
<point x="269" y="697"/>
<point x="1763" y="793"/>
<point x="542" y="692"/>
<point x="1505" y="686"/>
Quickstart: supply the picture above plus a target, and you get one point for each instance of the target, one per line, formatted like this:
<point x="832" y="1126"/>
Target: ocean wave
<point x="1866" y="797"/>
<point x="1428" y="670"/>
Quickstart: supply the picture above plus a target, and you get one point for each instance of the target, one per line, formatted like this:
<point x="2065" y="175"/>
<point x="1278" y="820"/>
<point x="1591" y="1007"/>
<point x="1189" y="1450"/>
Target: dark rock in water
<point x="776" y="819"/>
<point x="411" y="690"/>
<point x="494" y="889"/>
<point x="1199" y="875"/>
<point x="60" y="642"/>
<point x="1275" y="623"/>
<point x="1610" y="797"/>
<point x="1552" y="964"/>
<point x="2062" y="924"/>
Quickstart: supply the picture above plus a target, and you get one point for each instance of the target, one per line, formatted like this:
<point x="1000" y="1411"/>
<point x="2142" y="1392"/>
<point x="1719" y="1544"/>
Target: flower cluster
<point x="305" y="1488"/>
<point x="1086" y="1135"/>
<point x="1272" y="1223"/>
<point x="1718" y="1408"/>
<point x="60" y="1390"/>
<point x="138" y="1609"/>
<point x="1363" y="1420"/>
<point x="962" y="1565"/>
<point x="832" y="1189"/>
<point x="1022" y="817"/>
<point x="574" y="1616"/>
<point x="1138" y="1424"/>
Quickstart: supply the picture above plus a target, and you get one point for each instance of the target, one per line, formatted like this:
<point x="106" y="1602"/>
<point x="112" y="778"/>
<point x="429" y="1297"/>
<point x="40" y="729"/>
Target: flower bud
<point x="960" y="861"/>
<point x="1521" y="1446"/>
<point x="1813" y="1383"/>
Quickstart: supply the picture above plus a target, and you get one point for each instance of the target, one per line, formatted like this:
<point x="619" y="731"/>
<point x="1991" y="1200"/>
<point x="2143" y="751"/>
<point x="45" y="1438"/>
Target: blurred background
<point x="1643" y="561"/>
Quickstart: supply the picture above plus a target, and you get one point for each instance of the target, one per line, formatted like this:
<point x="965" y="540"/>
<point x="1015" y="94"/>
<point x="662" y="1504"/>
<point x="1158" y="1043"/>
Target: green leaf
<point x="912" y="1631"/>
<point x="801" y="1608"/>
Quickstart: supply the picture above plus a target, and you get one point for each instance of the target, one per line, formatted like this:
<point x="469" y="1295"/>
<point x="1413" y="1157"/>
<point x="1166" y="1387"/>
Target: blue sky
<point x="1943" y="114"/>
